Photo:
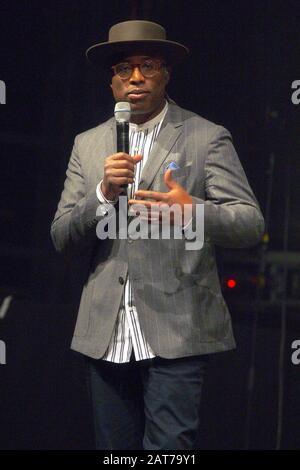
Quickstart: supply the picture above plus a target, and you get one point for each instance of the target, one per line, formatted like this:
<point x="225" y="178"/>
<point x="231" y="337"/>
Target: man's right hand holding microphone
<point x="118" y="173"/>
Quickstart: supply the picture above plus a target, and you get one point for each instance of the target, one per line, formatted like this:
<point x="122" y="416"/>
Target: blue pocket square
<point x="172" y="166"/>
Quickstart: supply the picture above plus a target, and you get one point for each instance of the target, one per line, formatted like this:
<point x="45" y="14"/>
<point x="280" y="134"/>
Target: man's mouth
<point x="137" y="94"/>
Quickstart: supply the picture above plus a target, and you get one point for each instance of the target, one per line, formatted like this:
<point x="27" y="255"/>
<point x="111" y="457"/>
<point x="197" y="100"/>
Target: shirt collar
<point x="152" y="122"/>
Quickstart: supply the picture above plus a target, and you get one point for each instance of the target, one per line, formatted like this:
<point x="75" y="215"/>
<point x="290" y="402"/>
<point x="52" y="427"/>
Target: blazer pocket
<point x="180" y="172"/>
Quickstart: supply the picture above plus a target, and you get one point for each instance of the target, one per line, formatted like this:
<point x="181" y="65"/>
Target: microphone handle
<point x="123" y="140"/>
<point x="123" y="137"/>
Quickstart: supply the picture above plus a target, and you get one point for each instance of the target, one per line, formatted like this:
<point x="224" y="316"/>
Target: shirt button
<point x="121" y="280"/>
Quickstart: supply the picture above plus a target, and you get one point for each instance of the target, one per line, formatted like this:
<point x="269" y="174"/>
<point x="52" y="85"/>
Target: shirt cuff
<point x="101" y="196"/>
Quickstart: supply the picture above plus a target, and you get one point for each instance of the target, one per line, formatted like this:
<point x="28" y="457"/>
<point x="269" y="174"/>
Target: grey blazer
<point x="177" y="291"/>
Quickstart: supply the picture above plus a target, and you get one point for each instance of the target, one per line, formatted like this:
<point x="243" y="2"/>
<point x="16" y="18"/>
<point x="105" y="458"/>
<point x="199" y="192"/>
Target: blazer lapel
<point x="170" y="131"/>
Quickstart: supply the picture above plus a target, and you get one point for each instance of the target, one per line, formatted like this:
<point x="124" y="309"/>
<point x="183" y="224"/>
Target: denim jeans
<point x="152" y="404"/>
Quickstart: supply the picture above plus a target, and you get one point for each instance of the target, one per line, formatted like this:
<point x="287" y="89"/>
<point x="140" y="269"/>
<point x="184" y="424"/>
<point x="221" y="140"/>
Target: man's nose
<point x="136" y="75"/>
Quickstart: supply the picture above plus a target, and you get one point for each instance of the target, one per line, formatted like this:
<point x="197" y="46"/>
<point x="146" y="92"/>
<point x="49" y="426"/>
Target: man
<point x="151" y="310"/>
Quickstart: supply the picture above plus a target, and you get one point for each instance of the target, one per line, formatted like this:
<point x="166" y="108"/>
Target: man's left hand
<point x="156" y="201"/>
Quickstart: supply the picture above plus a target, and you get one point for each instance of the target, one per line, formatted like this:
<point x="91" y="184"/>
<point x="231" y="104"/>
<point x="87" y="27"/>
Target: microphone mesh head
<point x="122" y="111"/>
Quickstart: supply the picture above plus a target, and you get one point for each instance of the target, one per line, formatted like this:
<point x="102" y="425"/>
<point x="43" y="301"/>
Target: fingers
<point x="119" y="164"/>
<point x="154" y="213"/>
<point x="156" y="195"/>
<point x="121" y="160"/>
<point x="124" y="156"/>
<point x="115" y="172"/>
<point x="137" y="158"/>
<point x="119" y="171"/>
<point x="143" y="204"/>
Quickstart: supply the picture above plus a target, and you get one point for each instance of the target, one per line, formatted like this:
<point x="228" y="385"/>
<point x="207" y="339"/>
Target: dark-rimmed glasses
<point x="148" y="68"/>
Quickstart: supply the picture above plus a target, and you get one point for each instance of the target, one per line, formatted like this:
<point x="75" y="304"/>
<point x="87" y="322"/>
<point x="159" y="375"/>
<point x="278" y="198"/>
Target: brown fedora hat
<point x="136" y="36"/>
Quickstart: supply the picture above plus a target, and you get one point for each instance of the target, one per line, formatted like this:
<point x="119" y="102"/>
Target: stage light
<point x="231" y="283"/>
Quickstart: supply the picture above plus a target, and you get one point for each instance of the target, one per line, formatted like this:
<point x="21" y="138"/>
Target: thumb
<point x="170" y="182"/>
<point x="137" y="158"/>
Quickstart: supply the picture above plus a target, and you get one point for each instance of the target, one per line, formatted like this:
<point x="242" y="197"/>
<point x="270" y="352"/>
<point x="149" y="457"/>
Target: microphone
<point x="122" y="116"/>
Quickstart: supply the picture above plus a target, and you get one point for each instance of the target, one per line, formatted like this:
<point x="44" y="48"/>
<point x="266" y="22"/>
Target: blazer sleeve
<point x="74" y="223"/>
<point x="232" y="217"/>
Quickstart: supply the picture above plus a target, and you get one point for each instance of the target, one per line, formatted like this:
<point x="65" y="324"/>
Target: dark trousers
<point x="152" y="404"/>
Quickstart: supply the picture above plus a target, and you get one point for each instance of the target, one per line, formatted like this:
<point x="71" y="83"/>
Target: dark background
<point x="244" y="57"/>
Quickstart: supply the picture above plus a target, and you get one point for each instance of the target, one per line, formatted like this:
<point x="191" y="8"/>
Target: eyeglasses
<point x="148" y="68"/>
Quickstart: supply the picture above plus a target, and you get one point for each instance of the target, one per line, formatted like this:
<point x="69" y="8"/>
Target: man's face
<point x="145" y="95"/>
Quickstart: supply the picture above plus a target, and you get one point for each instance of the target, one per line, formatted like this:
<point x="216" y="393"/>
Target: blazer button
<point x="121" y="280"/>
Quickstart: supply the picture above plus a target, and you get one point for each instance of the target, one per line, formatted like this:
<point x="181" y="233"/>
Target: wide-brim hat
<point x="136" y="36"/>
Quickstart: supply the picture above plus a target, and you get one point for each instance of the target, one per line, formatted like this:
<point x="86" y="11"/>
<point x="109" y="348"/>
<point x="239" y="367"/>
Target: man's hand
<point x="118" y="171"/>
<point x="156" y="201"/>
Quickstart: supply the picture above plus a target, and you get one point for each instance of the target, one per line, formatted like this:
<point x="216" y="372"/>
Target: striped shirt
<point x="127" y="336"/>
